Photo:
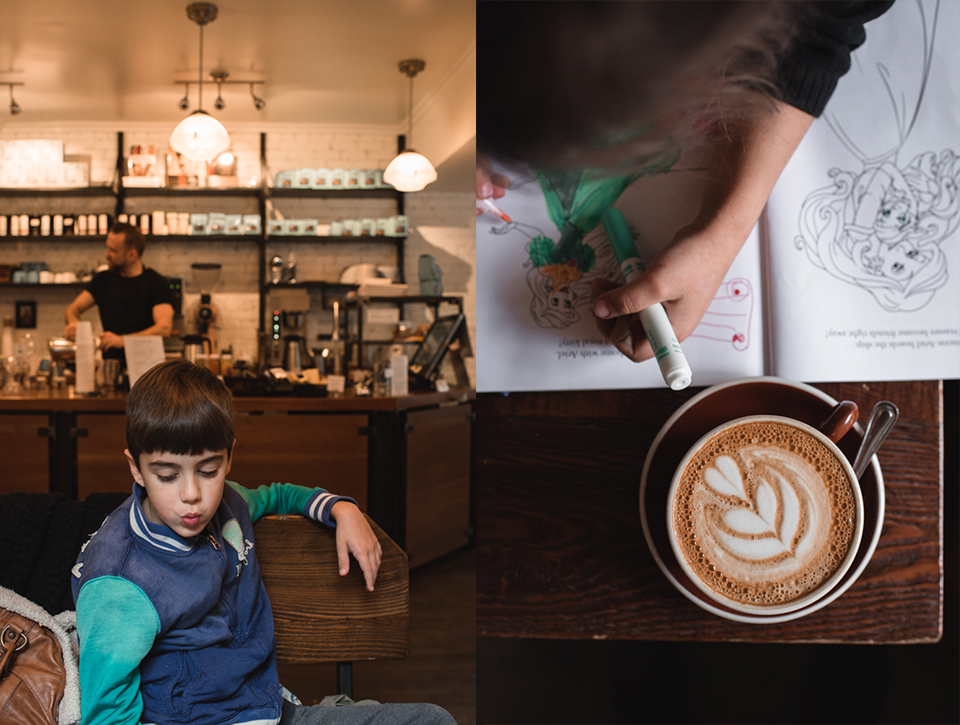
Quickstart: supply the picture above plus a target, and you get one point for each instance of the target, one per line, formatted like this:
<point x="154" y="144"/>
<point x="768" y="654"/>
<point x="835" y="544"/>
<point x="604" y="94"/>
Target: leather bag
<point x="33" y="669"/>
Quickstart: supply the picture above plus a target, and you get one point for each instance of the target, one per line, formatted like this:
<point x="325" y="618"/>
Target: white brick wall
<point x="288" y="146"/>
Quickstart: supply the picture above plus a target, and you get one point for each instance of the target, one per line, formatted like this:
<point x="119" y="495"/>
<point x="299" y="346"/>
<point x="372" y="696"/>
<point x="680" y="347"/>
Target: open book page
<point x="535" y="328"/>
<point x="863" y="280"/>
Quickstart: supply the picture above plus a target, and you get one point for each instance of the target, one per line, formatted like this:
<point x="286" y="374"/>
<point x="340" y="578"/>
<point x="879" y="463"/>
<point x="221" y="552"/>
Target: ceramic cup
<point x="717" y="406"/>
<point x="765" y="513"/>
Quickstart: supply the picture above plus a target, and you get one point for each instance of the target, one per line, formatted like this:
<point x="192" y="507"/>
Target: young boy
<point x="175" y="625"/>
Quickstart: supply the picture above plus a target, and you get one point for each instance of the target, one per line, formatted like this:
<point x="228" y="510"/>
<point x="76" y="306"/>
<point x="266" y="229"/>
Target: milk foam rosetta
<point x="764" y="513"/>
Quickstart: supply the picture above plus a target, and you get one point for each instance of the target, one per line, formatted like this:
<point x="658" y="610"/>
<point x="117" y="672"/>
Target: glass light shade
<point x="409" y="171"/>
<point x="199" y="137"/>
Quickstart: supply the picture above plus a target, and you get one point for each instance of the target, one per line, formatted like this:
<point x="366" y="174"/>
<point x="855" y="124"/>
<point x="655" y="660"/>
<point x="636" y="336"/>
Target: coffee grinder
<point x="174" y="343"/>
<point x="206" y="274"/>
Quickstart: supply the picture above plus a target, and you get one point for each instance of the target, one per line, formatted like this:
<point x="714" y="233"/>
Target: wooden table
<point x="561" y="553"/>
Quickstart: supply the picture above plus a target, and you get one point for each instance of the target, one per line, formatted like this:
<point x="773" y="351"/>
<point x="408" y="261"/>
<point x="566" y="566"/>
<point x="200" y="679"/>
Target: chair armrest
<point x="320" y="616"/>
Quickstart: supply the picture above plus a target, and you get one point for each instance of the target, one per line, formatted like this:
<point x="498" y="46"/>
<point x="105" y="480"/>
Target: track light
<point x="14" y="106"/>
<point x="219" y="77"/>
<point x="203" y="13"/>
<point x="258" y="103"/>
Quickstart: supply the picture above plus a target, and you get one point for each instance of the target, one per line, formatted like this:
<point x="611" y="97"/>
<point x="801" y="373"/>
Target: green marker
<point x="673" y="364"/>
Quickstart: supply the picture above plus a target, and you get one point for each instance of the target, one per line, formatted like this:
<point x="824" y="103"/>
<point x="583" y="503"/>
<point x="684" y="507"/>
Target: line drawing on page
<point x="560" y="291"/>
<point x="728" y="317"/>
<point x="881" y="227"/>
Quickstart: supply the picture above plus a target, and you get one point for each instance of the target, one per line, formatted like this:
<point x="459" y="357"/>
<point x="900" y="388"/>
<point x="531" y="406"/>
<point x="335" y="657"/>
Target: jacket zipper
<point x="214" y="543"/>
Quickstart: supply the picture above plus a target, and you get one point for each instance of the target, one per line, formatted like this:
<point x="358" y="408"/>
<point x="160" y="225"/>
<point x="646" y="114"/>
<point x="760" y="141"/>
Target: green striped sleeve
<point x="288" y="498"/>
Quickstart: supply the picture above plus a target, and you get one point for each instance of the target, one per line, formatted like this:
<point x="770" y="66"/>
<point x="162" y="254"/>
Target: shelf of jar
<point x="403" y="299"/>
<point x="312" y="284"/>
<point x="48" y="285"/>
<point x="175" y="191"/>
<point x="55" y="238"/>
<point x="70" y="191"/>
<point x="339" y="237"/>
<point x="252" y="238"/>
<point x="331" y="193"/>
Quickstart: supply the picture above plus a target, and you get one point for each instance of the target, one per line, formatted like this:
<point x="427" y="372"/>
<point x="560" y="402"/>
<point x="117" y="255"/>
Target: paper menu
<point x="143" y="352"/>
<point x="862" y="227"/>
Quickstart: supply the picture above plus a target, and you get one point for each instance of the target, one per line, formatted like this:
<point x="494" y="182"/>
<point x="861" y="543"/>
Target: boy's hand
<point x="354" y="536"/>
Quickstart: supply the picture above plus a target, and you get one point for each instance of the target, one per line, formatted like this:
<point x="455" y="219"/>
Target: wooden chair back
<point x="320" y="616"/>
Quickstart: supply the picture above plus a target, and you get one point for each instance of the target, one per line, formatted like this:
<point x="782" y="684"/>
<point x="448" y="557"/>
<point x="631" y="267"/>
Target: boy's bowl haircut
<point x="181" y="408"/>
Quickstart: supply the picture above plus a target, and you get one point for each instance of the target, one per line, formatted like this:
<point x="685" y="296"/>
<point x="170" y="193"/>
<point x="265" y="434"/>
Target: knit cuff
<point x="804" y="84"/>
<point x="320" y="504"/>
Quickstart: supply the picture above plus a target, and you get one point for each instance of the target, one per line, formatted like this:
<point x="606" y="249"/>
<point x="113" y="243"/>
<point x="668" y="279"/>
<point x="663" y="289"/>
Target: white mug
<point x="746" y="515"/>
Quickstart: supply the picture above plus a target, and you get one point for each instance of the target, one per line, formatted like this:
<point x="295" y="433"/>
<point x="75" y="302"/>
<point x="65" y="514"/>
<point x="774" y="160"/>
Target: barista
<point x="132" y="299"/>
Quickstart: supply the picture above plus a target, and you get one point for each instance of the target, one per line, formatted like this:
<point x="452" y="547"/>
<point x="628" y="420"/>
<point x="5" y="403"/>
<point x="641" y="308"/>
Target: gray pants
<point x="385" y="714"/>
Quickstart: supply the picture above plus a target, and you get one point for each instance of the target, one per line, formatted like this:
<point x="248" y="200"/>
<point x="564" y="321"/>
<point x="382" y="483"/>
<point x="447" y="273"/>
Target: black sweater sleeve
<point x="829" y="31"/>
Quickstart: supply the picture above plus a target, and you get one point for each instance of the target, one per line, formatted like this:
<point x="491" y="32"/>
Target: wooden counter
<point x="66" y="399"/>
<point x="408" y="461"/>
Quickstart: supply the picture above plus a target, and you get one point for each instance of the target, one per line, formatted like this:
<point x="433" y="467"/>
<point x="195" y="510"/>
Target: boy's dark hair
<point x="132" y="237"/>
<point x="181" y="408"/>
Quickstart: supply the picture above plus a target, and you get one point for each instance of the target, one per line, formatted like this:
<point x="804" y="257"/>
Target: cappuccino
<point x="764" y="513"/>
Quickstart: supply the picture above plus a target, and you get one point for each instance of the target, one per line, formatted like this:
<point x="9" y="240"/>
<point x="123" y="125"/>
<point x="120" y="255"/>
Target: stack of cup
<point x="86" y="367"/>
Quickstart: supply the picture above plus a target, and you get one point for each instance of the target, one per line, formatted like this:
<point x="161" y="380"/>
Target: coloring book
<point x="852" y="273"/>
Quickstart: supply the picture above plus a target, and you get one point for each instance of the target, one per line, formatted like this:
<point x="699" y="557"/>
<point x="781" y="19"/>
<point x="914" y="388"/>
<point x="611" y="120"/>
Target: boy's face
<point x="183" y="492"/>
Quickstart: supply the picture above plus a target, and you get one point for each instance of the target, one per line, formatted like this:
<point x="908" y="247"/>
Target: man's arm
<point x="162" y="325"/>
<point x="117" y="626"/>
<point x="81" y="304"/>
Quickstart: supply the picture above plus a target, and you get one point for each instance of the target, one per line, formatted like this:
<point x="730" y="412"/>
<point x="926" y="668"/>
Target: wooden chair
<point x="320" y="616"/>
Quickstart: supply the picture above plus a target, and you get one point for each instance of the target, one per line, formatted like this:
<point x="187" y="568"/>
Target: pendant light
<point x="200" y="137"/>
<point x="410" y="171"/>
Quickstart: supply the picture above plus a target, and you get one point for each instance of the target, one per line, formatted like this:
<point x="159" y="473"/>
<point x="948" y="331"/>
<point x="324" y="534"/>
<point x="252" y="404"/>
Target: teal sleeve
<point x="288" y="498"/>
<point x="117" y="626"/>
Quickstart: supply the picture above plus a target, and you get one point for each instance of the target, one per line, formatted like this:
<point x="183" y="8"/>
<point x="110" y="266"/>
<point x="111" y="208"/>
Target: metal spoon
<point x="882" y="419"/>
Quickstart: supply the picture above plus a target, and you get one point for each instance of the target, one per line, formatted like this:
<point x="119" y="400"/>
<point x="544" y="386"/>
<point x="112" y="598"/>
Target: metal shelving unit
<point x="262" y="194"/>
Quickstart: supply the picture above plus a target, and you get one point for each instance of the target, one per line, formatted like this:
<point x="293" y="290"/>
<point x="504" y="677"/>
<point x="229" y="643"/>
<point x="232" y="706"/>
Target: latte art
<point x="764" y="513"/>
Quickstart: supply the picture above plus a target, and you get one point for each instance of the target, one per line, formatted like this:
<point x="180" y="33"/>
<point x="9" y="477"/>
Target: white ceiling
<point x="322" y="61"/>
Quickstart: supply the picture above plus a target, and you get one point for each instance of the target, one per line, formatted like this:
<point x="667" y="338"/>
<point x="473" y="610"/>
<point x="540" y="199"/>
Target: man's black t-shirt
<point x="126" y="303"/>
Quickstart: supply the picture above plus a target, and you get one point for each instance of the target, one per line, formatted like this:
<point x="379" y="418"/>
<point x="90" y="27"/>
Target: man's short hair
<point x="132" y="237"/>
<point x="180" y="408"/>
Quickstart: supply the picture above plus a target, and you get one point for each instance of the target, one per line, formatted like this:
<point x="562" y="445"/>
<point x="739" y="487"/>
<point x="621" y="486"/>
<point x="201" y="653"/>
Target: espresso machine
<point x="287" y="330"/>
<point x="297" y="354"/>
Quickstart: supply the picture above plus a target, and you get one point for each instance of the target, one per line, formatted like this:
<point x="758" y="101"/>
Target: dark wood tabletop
<point x="561" y="552"/>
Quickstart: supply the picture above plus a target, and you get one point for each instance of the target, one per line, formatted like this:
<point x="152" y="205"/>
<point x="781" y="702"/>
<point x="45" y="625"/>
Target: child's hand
<point x="354" y="536"/>
<point x="489" y="185"/>
<point x="684" y="277"/>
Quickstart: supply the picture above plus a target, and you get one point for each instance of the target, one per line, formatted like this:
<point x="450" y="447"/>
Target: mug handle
<point x="840" y="420"/>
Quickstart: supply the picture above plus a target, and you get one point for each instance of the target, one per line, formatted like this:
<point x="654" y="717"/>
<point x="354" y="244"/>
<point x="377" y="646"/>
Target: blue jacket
<point x="176" y="630"/>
